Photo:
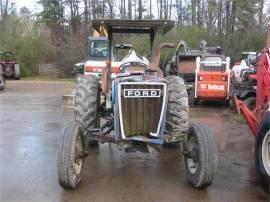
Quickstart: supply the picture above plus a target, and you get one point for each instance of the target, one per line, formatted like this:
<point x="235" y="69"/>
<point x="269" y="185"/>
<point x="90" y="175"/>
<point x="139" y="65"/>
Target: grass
<point x="239" y="118"/>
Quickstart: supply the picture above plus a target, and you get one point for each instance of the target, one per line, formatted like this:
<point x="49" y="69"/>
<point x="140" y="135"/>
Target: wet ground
<point x="31" y="118"/>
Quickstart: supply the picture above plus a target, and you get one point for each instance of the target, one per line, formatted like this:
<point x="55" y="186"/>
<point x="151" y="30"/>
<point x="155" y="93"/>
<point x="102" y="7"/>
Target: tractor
<point x="192" y="65"/>
<point x="244" y="81"/>
<point x="138" y="110"/>
<point x="97" y="55"/>
<point x="259" y="119"/>
<point x="9" y="68"/>
<point x="212" y="78"/>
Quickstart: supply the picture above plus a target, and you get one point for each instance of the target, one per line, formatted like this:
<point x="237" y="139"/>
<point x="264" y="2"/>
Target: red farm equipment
<point x="212" y="79"/>
<point x="259" y="119"/>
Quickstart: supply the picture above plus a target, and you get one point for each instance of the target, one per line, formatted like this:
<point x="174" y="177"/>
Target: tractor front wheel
<point x="200" y="156"/>
<point x="262" y="150"/>
<point x="70" y="152"/>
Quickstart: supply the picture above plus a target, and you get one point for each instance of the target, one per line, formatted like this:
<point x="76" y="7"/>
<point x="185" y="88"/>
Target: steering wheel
<point x="123" y="67"/>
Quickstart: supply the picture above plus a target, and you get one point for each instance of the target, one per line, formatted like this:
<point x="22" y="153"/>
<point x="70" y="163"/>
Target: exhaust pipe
<point x="154" y="65"/>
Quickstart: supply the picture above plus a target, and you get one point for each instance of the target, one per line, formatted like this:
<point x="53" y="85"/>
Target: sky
<point x="31" y="4"/>
<point x="34" y="7"/>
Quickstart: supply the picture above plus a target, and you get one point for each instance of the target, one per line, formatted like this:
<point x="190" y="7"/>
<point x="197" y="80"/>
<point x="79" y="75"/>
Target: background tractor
<point x="212" y="78"/>
<point x="139" y="109"/>
<point x="244" y="81"/>
<point x="97" y="53"/>
<point x="9" y="68"/>
<point x="207" y="63"/>
<point x="259" y="119"/>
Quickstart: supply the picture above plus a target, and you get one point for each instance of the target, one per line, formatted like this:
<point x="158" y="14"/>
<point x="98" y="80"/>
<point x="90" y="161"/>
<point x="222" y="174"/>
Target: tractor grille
<point x="141" y="115"/>
<point x="214" y="69"/>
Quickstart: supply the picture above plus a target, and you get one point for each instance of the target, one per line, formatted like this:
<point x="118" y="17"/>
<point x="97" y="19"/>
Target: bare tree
<point x="140" y="9"/>
<point x="129" y="10"/>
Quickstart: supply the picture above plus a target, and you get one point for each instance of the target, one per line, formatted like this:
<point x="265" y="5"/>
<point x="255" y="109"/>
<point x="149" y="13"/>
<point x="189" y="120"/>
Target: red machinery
<point x="212" y="77"/>
<point x="259" y="119"/>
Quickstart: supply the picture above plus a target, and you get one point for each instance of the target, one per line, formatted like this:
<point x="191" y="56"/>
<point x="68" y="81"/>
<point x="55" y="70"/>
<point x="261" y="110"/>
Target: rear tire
<point x="201" y="156"/>
<point x="17" y="74"/>
<point x="70" y="150"/>
<point x="87" y="100"/>
<point x="177" y="111"/>
<point x="262" y="150"/>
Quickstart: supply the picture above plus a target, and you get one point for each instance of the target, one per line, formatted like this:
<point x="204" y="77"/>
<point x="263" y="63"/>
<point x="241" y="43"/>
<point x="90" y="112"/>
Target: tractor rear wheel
<point x="70" y="152"/>
<point x="177" y="111"/>
<point x="200" y="156"/>
<point x="87" y="101"/>
<point x="262" y="150"/>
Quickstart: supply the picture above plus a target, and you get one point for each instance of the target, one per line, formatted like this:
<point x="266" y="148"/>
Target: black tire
<point x="263" y="136"/>
<point x="250" y="102"/>
<point x="2" y="83"/>
<point x="177" y="110"/>
<point x="200" y="156"/>
<point x="17" y="73"/>
<point x="87" y="100"/>
<point x="70" y="149"/>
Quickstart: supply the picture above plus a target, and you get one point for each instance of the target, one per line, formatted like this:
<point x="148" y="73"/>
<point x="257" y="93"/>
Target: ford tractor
<point x="137" y="110"/>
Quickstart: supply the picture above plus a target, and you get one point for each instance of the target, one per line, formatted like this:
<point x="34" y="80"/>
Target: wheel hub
<point x="77" y="164"/>
<point x="192" y="155"/>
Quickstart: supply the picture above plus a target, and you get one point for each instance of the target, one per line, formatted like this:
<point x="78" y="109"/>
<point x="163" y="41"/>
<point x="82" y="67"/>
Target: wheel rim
<point x="78" y="161"/>
<point x="193" y="158"/>
<point x="266" y="152"/>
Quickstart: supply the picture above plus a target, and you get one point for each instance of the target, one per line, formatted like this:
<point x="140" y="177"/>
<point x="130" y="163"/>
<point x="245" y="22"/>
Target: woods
<point x="59" y="28"/>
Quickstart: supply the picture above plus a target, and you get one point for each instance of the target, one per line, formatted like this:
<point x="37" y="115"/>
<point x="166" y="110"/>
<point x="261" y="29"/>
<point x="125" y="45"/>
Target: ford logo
<point x="140" y="93"/>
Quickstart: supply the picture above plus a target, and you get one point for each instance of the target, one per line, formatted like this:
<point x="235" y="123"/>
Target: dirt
<point x="32" y="116"/>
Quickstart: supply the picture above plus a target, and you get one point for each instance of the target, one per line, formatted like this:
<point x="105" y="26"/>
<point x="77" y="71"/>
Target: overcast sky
<point x="34" y="7"/>
<point x="31" y="4"/>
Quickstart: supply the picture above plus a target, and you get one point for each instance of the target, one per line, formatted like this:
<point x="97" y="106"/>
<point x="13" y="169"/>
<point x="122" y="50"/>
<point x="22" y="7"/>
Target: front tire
<point x="200" y="156"/>
<point x="70" y="150"/>
<point x="262" y="150"/>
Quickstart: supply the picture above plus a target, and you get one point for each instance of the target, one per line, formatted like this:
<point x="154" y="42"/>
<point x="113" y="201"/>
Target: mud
<point x="32" y="116"/>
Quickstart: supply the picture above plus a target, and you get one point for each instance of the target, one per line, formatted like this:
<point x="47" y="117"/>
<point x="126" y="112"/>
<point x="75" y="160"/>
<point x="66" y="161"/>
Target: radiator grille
<point x="214" y="68"/>
<point x="140" y="116"/>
